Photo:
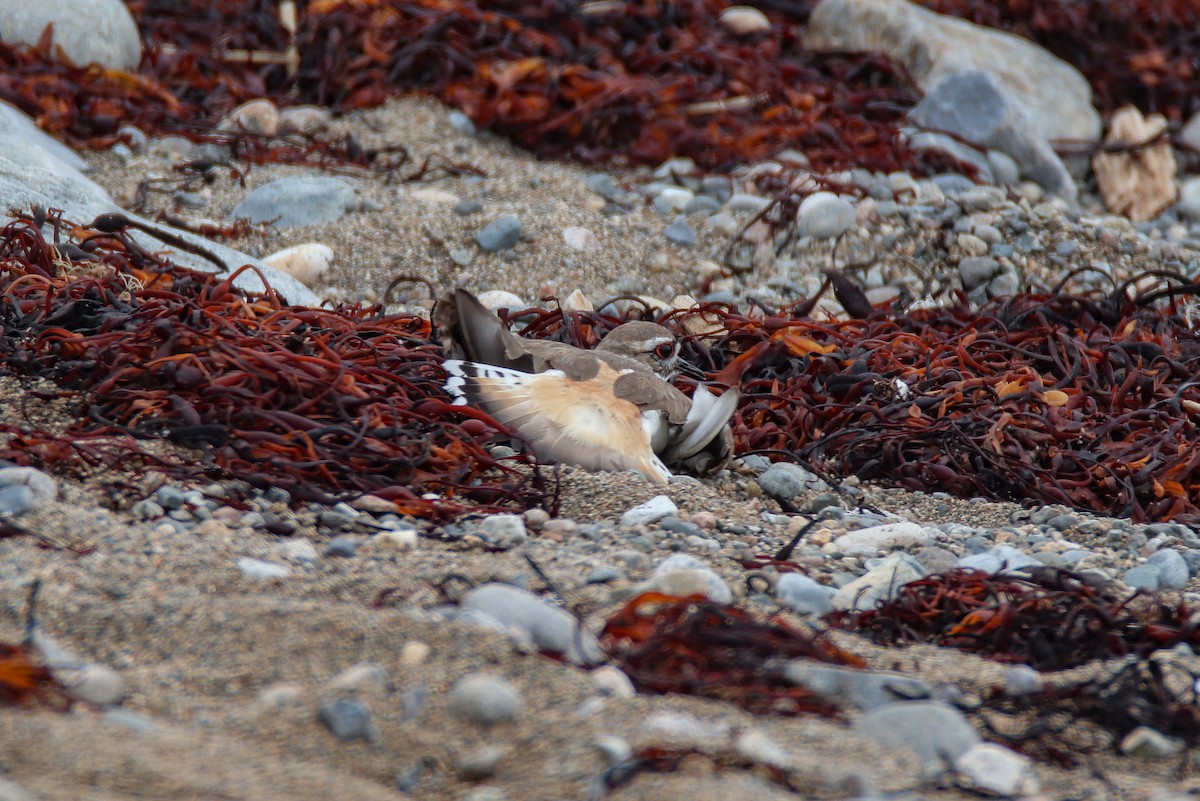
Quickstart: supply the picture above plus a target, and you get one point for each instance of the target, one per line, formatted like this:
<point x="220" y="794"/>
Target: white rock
<point x="258" y="569"/>
<point x="673" y="198"/>
<point x="303" y="119"/>
<point x="304" y="262"/>
<point x="880" y="584"/>
<point x="689" y="581"/>
<point x="95" y="684"/>
<point x="363" y="676"/>
<point x="870" y="541"/>
<point x="612" y="682"/>
<point x="88" y="31"/>
<point x="577" y="301"/>
<point x="280" y="694"/>
<point x="397" y="541"/>
<point x="757" y="746"/>
<point x="995" y="770"/>
<point x="1147" y="743"/>
<point x="579" y="238"/>
<point x="435" y="196"/>
<point x="824" y="215"/>
<point x="744" y="19"/>
<point x="259" y="116"/>
<point x="651" y="511"/>
<point x="499" y="299"/>
<point x="414" y="653"/>
<point x="299" y="550"/>
<point x="43" y="486"/>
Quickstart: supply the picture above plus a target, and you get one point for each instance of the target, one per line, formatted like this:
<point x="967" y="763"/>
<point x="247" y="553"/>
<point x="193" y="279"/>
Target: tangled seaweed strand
<point x="692" y="645"/>
<point x="1160" y="694"/>
<point x="322" y="403"/>
<point x="1049" y="619"/>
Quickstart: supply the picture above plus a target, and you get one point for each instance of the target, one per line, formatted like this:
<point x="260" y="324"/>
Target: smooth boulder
<point x="88" y="31"/>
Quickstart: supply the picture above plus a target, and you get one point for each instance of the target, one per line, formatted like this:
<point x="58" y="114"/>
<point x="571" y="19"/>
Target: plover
<point x="611" y="408"/>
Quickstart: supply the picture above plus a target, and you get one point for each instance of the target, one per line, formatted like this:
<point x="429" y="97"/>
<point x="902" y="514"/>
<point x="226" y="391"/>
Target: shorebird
<point x="611" y="408"/>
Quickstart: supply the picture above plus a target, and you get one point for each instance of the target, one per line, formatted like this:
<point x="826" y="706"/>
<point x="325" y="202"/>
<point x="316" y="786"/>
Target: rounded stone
<point x="501" y="234"/>
<point x="744" y="19"/>
<point x="296" y="201"/>
<point x="486" y="699"/>
<point x="824" y="215"/>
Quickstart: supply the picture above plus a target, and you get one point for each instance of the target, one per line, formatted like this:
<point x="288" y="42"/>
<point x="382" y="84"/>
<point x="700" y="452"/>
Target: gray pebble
<point x="787" y="480"/>
<point x="501" y="234"/>
<point x="1023" y="680"/>
<point x="258" y="569"/>
<point x="548" y="627"/>
<point x="976" y="271"/>
<point x="465" y="208"/>
<point x="461" y="123"/>
<point x="297" y="201"/>
<point x="1142" y="577"/>
<point x="480" y="764"/>
<point x="486" y="699"/>
<point x="15" y="499"/>
<point x="937" y="733"/>
<point x="649" y="512"/>
<point x="1173" y="572"/>
<point x="503" y="531"/>
<point x="345" y="547"/>
<point x="824" y="215"/>
<point x="348" y="720"/>
<point x="801" y="594"/>
<point x="1001" y="557"/>
<point x="603" y="575"/>
<point x="680" y="233"/>
<point x="862" y="689"/>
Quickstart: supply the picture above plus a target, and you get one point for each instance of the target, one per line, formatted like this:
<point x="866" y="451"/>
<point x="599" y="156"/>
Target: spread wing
<point x="573" y="422"/>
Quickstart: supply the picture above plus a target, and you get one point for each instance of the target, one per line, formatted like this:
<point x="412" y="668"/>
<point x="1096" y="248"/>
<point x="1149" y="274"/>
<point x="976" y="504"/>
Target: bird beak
<point x="690" y="370"/>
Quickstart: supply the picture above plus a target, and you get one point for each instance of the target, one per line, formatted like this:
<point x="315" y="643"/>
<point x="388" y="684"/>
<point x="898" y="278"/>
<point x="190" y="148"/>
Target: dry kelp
<point x="1048" y="619"/>
<point x="323" y="403"/>
<point x="693" y="645"/>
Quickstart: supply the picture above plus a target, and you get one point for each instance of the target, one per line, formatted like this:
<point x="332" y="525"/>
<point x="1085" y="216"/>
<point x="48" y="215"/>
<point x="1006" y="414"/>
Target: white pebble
<point x="744" y="19"/>
<point x="405" y="539"/>
<point x="42" y="485"/>
<point x="304" y="262"/>
<point x="579" y="238"/>
<point x="258" y="569"/>
<point x="258" y="116"/>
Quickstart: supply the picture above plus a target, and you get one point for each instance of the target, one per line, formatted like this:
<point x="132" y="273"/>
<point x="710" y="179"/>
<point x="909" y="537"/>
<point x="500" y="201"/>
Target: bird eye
<point x="665" y="351"/>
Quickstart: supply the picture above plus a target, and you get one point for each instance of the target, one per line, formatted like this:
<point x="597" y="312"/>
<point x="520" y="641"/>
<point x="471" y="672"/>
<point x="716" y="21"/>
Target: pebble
<point x="757" y="746"/>
<point x="824" y="215"/>
<point x="579" y="238"/>
<point x="259" y="116"/>
<point x="363" y="676"/>
<point x="94" y="684"/>
<point x="882" y="583"/>
<point x="870" y="541"/>
<point x="1173" y="572"/>
<point x="787" y="480"/>
<point x="296" y="201"/>
<point x="461" y="123"/>
<point x="16" y="499"/>
<point x="1001" y="557"/>
<point x="485" y="699"/>
<point x="548" y="627"/>
<point x="1147" y="743"/>
<point x="395" y="540"/>
<point x="465" y="208"/>
<point x="299" y="550"/>
<point x="344" y="547"/>
<point x="304" y="262"/>
<point x="936" y="733"/>
<point x="43" y="486"/>
<point x="995" y="770"/>
<point x="649" y="512"/>
<point x="801" y="594"/>
<point x="689" y="581"/>
<point x="742" y="20"/>
<point x="1023" y="680"/>
<point x="680" y="233"/>
<point x="304" y="119"/>
<point x="258" y="569"/>
<point x="502" y="531"/>
<point x="348" y="719"/>
<point x="480" y="763"/>
<point x="862" y="689"/>
<point x="501" y="234"/>
<point x="612" y="682"/>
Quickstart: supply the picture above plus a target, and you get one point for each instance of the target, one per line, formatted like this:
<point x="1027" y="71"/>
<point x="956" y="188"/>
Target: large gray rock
<point x="879" y="584"/>
<point x="1054" y="95"/>
<point x="14" y="125"/>
<point x="862" y="689"/>
<point x="34" y="173"/>
<point x="937" y="733"/>
<point x="972" y="104"/>
<point x="88" y="31"/>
